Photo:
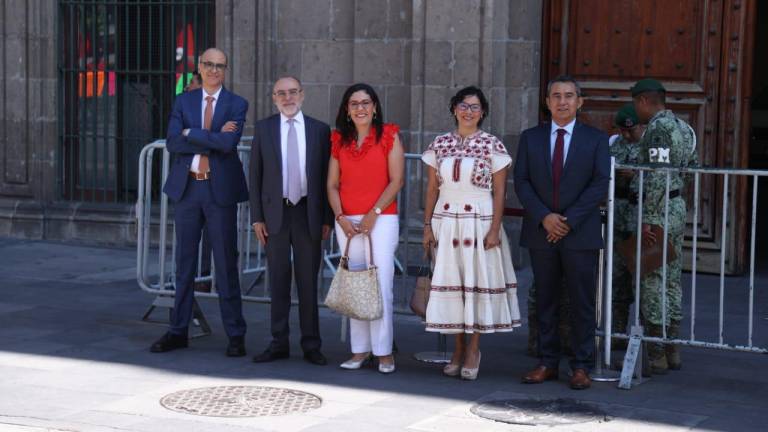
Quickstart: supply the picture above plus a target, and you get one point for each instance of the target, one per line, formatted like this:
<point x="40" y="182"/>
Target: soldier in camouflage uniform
<point x="625" y="148"/>
<point x="667" y="142"/>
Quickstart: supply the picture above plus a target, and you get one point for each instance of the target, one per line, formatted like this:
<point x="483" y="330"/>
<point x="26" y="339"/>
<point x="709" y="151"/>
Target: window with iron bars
<point x="120" y="65"/>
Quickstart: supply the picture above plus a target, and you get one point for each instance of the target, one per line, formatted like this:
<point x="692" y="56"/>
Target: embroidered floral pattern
<point x="455" y="242"/>
<point x="482" y="174"/>
<point x="467" y="208"/>
<point x="466" y="289"/>
<point x="474" y="327"/>
<point x="456" y="170"/>
<point x="468" y="242"/>
<point x="480" y="146"/>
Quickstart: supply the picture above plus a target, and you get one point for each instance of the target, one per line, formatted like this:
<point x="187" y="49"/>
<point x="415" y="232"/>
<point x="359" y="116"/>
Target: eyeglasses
<point x="285" y="93"/>
<point x="214" y="66"/>
<point x="461" y="106"/>
<point x="366" y="105"/>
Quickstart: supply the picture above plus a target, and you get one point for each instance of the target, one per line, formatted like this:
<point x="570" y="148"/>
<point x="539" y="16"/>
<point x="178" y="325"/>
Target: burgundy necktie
<point x="557" y="168"/>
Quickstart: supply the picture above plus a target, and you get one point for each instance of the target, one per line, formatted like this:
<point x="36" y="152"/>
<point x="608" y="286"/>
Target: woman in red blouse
<point x="365" y="174"/>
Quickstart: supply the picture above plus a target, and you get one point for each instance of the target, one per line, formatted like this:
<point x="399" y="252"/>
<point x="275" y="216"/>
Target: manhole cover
<point x="535" y="412"/>
<point x="240" y="401"/>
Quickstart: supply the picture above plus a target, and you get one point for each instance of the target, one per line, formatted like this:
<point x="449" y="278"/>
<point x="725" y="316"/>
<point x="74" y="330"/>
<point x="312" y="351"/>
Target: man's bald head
<point x="216" y="52"/>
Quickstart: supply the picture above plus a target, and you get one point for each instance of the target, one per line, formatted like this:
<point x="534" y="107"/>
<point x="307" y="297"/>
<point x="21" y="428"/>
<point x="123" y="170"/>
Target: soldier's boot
<point x="619" y="325"/>
<point x="672" y="351"/>
<point x="657" y="357"/>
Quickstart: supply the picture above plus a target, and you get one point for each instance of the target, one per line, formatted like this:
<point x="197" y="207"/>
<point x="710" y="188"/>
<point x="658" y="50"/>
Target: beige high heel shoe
<point x="452" y="370"/>
<point x="471" y="373"/>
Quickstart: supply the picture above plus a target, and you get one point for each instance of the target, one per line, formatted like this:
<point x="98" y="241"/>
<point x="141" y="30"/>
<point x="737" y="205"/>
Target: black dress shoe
<point x="236" y="347"/>
<point x="315" y="357"/>
<point x="268" y="355"/>
<point x="169" y="342"/>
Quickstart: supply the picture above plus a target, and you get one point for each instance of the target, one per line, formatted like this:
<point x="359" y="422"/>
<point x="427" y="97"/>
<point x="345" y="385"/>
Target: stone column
<point x="28" y="127"/>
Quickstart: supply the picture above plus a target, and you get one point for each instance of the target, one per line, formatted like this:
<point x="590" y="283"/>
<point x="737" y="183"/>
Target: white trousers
<point x="374" y="336"/>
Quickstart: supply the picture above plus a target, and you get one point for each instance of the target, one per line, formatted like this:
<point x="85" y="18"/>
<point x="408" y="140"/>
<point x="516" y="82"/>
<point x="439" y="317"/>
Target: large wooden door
<point x="699" y="49"/>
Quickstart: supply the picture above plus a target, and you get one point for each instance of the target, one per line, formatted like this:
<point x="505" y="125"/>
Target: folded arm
<point x="175" y="140"/>
<point x="224" y="142"/>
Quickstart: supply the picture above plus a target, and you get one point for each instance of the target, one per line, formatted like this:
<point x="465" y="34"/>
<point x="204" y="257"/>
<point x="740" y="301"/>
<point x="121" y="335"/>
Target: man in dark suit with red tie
<point x="206" y="181"/>
<point x="561" y="177"/>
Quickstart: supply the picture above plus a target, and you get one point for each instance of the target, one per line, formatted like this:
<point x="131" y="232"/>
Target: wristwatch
<point x="377" y="210"/>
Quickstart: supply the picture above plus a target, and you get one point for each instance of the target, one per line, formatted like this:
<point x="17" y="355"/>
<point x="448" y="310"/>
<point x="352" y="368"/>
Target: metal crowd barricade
<point x="157" y="276"/>
<point x="156" y="246"/>
<point x="156" y="240"/>
<point x="631" y="367"/>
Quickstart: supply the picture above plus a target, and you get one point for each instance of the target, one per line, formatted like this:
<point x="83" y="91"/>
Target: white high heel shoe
<point x="356" y="364"/>
<point x="386" y="368"/>
<point x="452" y="370"/>
<point x="471" y="373"/>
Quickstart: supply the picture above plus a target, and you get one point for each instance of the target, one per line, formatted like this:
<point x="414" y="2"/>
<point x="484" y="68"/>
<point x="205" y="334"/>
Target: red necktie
<point x="557" y="168"/>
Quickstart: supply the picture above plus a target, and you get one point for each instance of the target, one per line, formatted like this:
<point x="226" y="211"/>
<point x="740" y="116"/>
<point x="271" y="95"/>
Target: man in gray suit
<point x="290" y="213"/>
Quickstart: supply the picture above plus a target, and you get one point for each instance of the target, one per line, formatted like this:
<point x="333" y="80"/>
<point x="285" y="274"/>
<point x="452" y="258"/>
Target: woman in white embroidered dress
<point x="474" y="289"/>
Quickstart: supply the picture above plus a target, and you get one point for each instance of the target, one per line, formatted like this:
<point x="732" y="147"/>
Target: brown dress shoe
<point x="580" y="380"/>
<point x="539" y="375"/>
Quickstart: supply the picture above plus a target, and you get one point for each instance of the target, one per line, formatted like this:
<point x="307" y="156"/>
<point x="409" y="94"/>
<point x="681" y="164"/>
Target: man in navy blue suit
<point x="206" y="181"/>
<point x="561" y="177"/>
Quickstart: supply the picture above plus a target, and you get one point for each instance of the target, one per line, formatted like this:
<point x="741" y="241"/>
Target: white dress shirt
<point x="566" y="138"/>
<point x="301" y="136"/>
<point x="196" y="159"/>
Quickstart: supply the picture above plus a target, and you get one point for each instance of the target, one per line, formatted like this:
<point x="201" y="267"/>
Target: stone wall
<point x="28" y="126"/>
<point x="416" y="53"/>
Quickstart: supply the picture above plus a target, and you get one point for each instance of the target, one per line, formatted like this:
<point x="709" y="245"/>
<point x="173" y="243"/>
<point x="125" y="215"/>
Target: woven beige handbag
<point x="356" y="293"/>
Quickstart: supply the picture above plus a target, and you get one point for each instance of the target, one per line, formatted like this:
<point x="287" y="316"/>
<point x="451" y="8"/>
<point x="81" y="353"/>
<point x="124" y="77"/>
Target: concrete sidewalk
<point x="74" y="357"/>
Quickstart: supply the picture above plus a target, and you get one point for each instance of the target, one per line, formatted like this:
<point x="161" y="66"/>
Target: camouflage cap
<point x="626" y="117"/>
<point x="646" y="85"/>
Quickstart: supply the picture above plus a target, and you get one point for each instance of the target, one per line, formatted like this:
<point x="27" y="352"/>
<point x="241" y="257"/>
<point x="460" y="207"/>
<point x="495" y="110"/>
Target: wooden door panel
<point x="607" y="45"/>
<point x="631" y="40"/>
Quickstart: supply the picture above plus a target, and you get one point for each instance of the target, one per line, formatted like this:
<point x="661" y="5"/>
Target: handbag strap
<point x="429" y="262"/>
<point x="345" y="257"/>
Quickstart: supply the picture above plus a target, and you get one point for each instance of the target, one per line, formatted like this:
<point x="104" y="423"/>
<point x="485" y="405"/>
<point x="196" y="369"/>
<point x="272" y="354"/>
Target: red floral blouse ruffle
<point x="389" y="131"/>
